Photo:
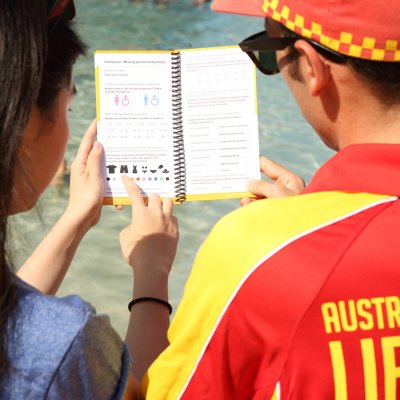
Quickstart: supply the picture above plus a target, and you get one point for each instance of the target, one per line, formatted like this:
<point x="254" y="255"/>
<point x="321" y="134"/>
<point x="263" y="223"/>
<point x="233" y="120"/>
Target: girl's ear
<point x="317" y="69"/>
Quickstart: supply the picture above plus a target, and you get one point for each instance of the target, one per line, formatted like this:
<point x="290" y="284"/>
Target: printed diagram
<point x="161" y="170"/>
<point x="154" y="100"/>
<point x="111" y="169"/>
<point x="125" y="100"/>
<point x="160" y="167"/>
<point x="164" y="170"/>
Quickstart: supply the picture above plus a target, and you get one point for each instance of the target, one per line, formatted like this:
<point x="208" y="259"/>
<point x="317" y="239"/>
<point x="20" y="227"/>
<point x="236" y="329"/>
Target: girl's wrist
<point x="151" y="284"/>
<point x="151" y="270"/>
<point x="75" y="222"/>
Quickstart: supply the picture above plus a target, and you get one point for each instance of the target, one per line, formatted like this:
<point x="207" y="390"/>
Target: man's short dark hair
<point x="383" y="77"/>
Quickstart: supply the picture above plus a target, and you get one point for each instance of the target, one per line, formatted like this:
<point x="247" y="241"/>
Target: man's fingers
<point x="260" y="188"/>
<point x="281" y="175"/>
<point x="272" y="169"/>
<point x="266" y="189"/>
<point x="134" y="193"/>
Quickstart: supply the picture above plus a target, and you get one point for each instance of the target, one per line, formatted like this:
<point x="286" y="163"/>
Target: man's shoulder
<point x="279" y="212"/>
<point x="265" y="225"/>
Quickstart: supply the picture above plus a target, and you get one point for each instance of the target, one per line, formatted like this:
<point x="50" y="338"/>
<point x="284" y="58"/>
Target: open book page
<point x="134" y="121"/>
<point x="220" y="125"/>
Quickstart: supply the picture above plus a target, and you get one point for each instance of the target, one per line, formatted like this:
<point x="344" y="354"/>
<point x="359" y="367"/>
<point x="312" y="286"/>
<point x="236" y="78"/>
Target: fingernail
<point x="96" y="145"/>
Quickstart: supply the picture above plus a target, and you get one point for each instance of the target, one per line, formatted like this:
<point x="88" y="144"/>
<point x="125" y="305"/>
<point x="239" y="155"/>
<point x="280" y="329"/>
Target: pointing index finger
<point x="134" y="193"/>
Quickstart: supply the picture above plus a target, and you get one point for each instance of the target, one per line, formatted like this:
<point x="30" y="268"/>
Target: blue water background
<point x="98" y="272"/>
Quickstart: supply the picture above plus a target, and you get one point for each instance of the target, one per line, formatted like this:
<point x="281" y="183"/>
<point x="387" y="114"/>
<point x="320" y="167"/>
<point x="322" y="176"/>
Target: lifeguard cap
<point x="359" y="28"/>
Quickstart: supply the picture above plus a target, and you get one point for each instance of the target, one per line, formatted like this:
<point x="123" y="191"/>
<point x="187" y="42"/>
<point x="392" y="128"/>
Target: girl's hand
<point x="86" y="187"/>
<point x="149" y="243"/>
<point x="285" y="183"/>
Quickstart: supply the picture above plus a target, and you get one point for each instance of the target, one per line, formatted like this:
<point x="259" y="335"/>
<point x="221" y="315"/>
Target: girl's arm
<point x="46" y="267"/>
<point x="149" y="246"/>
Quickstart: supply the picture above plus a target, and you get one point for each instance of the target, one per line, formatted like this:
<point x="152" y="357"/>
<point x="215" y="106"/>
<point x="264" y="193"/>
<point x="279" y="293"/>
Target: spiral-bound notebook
<point x="179" y="123"/>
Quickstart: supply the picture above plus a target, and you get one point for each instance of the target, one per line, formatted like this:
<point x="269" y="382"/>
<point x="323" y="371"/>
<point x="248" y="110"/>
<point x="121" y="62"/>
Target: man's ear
<point x="317" y="70"/>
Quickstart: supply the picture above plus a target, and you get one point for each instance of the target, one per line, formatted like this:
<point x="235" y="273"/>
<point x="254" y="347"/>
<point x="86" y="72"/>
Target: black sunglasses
<point x="262" y="50"/>
<point x="60" y="9"/>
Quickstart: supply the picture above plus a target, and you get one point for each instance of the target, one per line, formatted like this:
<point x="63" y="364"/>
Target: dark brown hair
<point x="382" y="77"/>
<point x="35" y="63"/>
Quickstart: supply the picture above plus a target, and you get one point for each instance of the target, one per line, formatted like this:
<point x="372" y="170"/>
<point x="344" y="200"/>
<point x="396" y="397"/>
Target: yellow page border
<point x="125" y="201"/>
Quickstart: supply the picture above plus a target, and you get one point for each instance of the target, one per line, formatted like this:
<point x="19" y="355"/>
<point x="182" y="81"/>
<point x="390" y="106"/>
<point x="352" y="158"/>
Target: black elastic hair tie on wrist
<point x="154" y="299"/>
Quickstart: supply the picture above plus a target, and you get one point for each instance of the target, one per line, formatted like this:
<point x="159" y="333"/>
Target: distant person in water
<point x="194" y="2"/>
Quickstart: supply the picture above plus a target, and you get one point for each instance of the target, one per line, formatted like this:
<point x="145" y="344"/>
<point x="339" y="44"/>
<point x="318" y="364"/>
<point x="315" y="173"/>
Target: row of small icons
<point x="125" y="101"/>
<point x="125" y="170"/>
<point x="143" y="178"/>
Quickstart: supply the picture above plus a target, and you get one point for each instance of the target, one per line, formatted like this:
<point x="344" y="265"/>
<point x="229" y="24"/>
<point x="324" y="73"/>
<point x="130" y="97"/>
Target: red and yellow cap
<point x="363" y="29"/>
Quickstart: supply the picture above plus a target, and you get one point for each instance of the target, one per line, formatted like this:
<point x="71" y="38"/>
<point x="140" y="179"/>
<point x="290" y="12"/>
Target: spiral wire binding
<point x="177" y="126"/>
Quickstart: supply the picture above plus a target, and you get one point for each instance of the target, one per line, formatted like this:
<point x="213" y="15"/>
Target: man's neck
<point x="370" y="123"/>
<point x="361" y="117"/>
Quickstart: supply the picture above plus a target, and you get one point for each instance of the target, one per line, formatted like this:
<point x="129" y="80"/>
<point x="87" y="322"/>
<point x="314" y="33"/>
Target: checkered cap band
<point x="365" y="29"/>
<point x="362" y="29"/>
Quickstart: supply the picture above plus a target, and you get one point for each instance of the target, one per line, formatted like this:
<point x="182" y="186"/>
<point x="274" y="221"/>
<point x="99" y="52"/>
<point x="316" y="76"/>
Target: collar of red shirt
<point x="371" y="168"/>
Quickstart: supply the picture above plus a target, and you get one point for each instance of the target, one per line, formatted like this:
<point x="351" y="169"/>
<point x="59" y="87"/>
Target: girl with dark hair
<point x="50" y="347"/>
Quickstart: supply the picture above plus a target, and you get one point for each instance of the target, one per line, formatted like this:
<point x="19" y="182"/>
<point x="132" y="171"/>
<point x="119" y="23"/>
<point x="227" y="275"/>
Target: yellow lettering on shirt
<point x="377" y="302"/>
<point x="348" y="316"/>
<point x="339" y="370"/>
<point x="367" y="322"/>
<point x="393" y="311"/>
<point x="364" y="314"/>
<point x="331" y="317"/>
<point x="369" y="362"/>
<point x="392" y="371"/>
<point x="373" y="383"/>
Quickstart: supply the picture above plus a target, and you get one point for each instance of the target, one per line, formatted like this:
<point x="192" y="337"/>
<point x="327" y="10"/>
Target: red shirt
<point x="314" y="316"/>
